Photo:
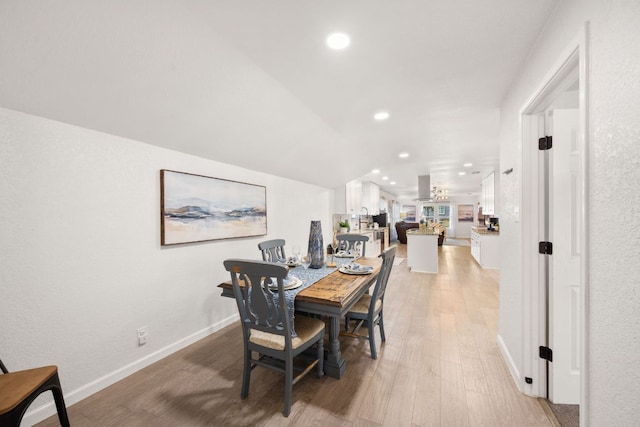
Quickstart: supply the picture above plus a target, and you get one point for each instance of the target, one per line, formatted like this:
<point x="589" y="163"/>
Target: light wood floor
<point x="440" y="366"/>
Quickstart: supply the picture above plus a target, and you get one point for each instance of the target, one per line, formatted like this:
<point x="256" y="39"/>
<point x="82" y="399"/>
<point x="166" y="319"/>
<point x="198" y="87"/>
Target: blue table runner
<point x="308" y="277"/>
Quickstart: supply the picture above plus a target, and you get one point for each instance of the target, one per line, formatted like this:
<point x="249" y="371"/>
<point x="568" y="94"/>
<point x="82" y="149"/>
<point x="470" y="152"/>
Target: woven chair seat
<point x="362" y="306"/>
<point x="306" y="328"/>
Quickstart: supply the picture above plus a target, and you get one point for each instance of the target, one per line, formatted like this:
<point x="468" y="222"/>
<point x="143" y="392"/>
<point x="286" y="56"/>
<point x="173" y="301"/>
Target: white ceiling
<point x="252" y="83"/>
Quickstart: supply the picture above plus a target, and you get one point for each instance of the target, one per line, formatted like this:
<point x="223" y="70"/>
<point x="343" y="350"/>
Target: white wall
<point x="81" y="263"/>
<point x="463" y="229"/>
<point x="614" y="132"/>
<point x="340" y="202"/>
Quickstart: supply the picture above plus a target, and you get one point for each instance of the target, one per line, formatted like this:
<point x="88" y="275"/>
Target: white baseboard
<point x="75" y="396"/>
<point x="513" y="369"/>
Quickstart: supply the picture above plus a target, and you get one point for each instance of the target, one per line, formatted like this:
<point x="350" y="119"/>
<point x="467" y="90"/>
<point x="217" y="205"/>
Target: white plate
<point x="348" y="271"/>
<point x="293" y="283"/>
<point x="293" y="264"/>
<point x="345" y="255"/>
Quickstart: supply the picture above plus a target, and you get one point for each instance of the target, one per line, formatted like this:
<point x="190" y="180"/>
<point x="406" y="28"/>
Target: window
<point x="429" y="213"/>
<point x="444" y="214"/>
<point x="437" y="213"/>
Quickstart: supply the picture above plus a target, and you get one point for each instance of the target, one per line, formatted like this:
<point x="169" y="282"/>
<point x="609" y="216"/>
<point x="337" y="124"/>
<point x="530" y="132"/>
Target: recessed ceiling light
<point x="403" y="155"/>
<point x="384" y="178"/>
<point x="392" y="183"/>
<point x="338" y="40"/>
<point x="375" y="171"/>
<point x="381" y="115"/>
<point x="462" y="173"/>
<point x="468" y="165"/>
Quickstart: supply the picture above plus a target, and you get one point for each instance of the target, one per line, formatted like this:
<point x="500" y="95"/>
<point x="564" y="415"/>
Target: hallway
<point x="439" y="366"/>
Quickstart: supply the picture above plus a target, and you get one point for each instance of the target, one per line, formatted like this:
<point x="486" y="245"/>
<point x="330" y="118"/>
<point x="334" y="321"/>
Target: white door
<point x="565" y="199"/>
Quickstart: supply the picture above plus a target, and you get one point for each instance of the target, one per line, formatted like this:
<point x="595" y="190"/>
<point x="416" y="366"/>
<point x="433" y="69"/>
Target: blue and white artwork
<point x="196" y="208"/>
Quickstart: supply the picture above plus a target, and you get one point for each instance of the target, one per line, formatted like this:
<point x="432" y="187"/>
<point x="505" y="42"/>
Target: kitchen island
<point x="422" y="251"/>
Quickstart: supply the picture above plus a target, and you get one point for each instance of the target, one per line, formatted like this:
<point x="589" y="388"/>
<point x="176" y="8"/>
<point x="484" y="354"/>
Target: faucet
<point x="360" y="219"/>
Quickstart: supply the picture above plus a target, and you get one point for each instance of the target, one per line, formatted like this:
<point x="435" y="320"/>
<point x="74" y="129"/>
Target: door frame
<point x="534" y="299"/>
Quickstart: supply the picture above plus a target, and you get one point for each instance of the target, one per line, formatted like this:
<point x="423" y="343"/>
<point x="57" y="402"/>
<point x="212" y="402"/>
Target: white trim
<point x="575" y="56"/>
<point x="533" y="320"/>
<point x="75" y="396"/>
<point x="586" y="242"/>
<point x="513" y="367"/>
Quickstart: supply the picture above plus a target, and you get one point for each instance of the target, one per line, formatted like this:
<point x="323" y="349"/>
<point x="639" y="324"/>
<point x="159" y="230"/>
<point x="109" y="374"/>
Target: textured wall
<point x="615" y="215"/>
<point x="614" y="300"/>
<point x="82" y="265"/>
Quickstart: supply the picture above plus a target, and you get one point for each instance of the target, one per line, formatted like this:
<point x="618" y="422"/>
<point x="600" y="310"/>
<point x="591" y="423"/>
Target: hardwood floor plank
<point x="440" y="366"/>
<point x="403" y="393"/>
<point x="481" y="410"/>
<point x="374" y="406"/>
<point x="454" y="408"/>
<point x="428" y="400"/>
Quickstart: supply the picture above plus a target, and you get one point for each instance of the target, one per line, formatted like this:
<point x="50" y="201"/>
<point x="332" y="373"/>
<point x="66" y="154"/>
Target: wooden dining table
<point x="332" y="296"/>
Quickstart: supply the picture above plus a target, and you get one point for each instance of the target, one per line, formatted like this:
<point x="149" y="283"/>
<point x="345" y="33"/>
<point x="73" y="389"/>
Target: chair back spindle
<point x="256" y="303"/>
<point x="351" y="242"/>
<point x="273" y="250"/>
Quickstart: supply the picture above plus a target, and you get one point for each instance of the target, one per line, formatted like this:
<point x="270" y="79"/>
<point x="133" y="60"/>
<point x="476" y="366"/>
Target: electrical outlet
<point x="142" y="335"/>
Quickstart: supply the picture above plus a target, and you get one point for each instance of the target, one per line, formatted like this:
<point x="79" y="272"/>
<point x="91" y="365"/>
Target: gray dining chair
<point x="267" y="327"/>
<point x="369" y="307"/>
<point x="349" y="242"/>
<point x="273" y="250"/>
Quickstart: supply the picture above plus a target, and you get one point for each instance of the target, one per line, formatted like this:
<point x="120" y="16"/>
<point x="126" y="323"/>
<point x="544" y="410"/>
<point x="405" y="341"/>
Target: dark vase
<point x="316" y="245"/>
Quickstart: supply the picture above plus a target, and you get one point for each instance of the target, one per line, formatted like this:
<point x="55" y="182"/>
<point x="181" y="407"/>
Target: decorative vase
<point x="316" y="245"/>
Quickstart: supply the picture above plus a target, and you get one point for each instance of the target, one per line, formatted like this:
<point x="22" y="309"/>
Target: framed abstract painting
<point x="465" y="213"/>
<point x="196" y="208"/>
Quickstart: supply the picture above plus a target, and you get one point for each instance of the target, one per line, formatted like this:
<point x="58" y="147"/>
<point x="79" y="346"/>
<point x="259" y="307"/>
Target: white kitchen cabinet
<point x="353" y="197"/>
<point x="485" y="249"/>
<point x="488" y="195"/>
<point x="475" y="246"/>
<point x="371" y="197"/>
<point x="358" y="195"/>
<point x="372" y="246"/>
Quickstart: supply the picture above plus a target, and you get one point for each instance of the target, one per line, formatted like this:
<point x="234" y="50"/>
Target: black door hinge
<point x="546" y="353"/>
<point x="545" y="248"/>
<point x="544" y="143"/>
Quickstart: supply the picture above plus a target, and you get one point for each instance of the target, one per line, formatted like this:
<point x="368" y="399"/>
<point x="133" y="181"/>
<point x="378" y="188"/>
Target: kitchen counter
<point x="483" y="230"/>
<point x="418" y="231"/>
<point x="364" y="230"/>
